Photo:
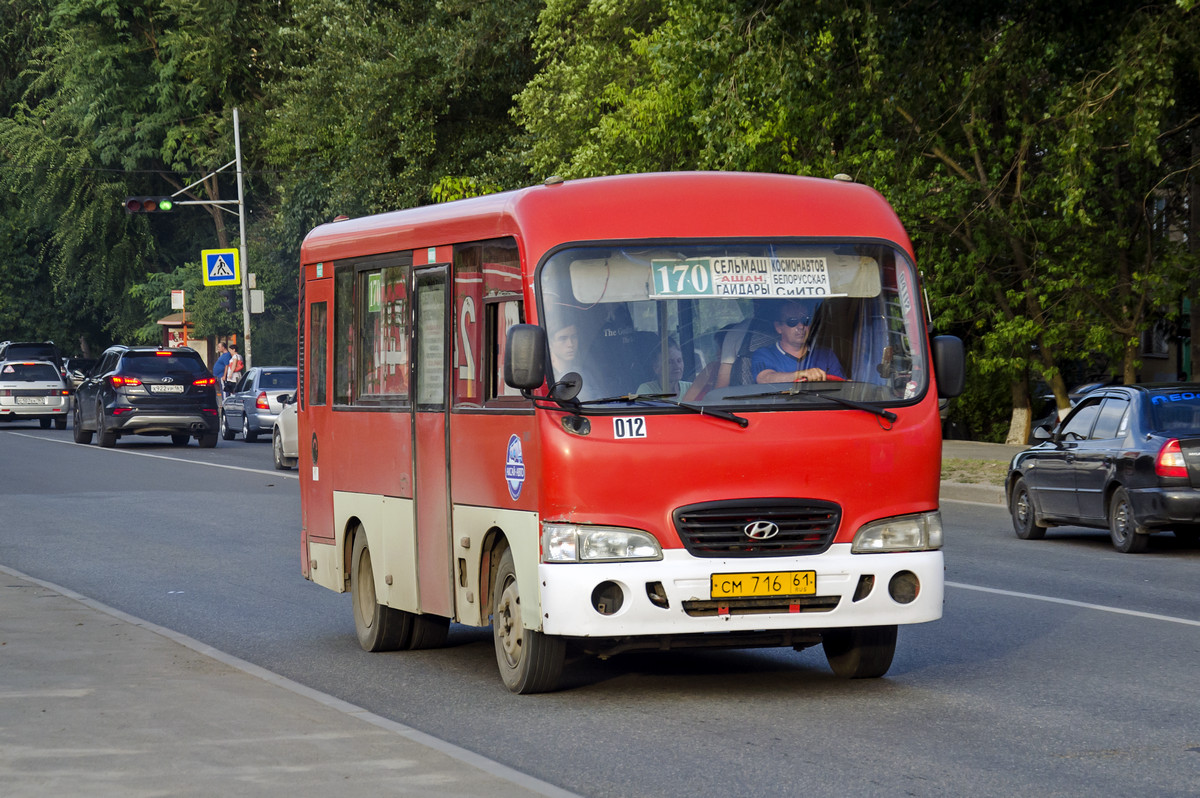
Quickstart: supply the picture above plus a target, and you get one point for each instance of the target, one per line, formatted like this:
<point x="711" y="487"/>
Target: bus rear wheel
<point x="861" y="653"/>
<point x="379" y="628"/>
<point x="529" y="661"/>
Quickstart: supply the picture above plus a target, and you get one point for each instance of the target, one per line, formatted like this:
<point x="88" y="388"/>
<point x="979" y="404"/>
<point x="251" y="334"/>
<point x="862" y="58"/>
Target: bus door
<point x="313" y="419"/>
<point x="431" y="460"/>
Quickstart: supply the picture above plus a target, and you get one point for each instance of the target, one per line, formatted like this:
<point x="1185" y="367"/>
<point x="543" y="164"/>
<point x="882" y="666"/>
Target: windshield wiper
<point x="850" y="403"/>
<point x="668" y="398"/>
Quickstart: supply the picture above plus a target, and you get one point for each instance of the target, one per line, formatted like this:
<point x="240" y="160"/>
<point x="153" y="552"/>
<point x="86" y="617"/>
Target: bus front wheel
<point x="530" y="662"/>
<point x="379" y="628"/>
<point x="862" y="653"/>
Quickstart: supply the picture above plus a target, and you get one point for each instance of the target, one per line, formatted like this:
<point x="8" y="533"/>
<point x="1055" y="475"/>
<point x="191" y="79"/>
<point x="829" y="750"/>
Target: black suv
<point x="146" y="390"/>
<point x="33" y="350"/>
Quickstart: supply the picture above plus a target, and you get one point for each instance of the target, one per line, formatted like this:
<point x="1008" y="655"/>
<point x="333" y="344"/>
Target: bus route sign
<point x="221" y="267"/>
<point x="800" y="278"/>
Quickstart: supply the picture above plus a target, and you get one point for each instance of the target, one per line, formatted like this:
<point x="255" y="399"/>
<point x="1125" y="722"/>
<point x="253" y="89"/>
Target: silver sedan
<point x="255" y="403"/>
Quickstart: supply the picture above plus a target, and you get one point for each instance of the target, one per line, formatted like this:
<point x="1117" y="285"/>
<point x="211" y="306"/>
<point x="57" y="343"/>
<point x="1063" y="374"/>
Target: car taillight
<point x="1170" y="462"/>
<point x="117" y="381"/>
<point x="203" y="381"/>
<point x="262" y="403"/>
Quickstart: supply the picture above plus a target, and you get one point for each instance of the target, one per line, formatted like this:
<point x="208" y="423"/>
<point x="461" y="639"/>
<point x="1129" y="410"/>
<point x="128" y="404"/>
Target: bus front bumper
<point x="674" y="596"/>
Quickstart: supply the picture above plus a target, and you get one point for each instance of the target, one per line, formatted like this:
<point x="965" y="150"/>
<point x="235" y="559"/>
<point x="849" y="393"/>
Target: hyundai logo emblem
<point x="168" y="379"/>
<point x="761" y="530"/>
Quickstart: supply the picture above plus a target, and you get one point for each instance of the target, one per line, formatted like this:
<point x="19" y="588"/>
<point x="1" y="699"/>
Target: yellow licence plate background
<point x="770" y="583"/>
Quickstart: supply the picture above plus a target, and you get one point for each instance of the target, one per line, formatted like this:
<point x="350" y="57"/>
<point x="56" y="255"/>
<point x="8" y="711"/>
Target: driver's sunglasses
<point x="792" y="321"/>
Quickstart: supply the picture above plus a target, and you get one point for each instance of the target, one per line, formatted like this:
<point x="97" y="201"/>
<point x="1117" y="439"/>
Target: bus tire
<point x="379" y="628"/>
<point x="429" y="631"/>
<point x="860" y="653"/>
<point x="529" y="661"/>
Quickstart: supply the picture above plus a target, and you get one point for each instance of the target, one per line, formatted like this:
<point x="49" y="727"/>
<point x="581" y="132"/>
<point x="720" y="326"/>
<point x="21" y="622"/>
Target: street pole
<point x="237" y="148"/>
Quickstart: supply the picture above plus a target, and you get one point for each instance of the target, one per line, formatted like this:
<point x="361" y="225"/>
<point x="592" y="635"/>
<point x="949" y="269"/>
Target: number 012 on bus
<point x="645" y="411"/>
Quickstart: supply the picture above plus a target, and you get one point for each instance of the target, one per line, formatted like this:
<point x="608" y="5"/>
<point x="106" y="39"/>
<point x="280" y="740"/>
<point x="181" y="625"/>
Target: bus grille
<point x="719" y="529"/>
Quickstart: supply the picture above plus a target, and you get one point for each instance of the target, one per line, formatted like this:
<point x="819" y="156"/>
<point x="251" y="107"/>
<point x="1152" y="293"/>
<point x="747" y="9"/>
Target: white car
<point x="33" y="389"/>
<point x="285" y="446"/>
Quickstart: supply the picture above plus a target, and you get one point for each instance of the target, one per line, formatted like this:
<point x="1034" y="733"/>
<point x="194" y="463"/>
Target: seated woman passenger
<point x="675" y="384"/>
<point x="791" y="359"/>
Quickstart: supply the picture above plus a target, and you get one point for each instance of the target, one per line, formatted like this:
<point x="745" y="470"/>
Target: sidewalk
<point x="94" y="702"/>
<point x="975" y="450"/>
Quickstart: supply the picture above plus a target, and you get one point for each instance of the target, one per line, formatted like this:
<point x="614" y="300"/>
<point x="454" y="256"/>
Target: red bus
<point x="487" y="434"/>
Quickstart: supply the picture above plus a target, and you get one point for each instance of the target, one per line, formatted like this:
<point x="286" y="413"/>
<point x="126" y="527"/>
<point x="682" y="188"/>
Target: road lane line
<point x="1070" y="603"/>
<point x="271" y="472"/>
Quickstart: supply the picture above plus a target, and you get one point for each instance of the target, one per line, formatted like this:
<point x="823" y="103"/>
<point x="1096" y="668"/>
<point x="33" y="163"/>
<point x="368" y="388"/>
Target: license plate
<point x="29" y="400"/>
<point x="770" y="583"/>
<point x="166" y="389"/>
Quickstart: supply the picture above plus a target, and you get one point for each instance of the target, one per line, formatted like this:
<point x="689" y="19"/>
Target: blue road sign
<point x="221" y="267"/>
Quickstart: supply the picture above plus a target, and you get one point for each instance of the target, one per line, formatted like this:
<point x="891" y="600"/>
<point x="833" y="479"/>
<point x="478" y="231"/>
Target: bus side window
<point x="317" y="330"/>
<point x="498" y="317"/>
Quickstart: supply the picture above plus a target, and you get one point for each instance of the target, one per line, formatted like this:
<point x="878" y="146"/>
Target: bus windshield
<point x="735" y="324"/>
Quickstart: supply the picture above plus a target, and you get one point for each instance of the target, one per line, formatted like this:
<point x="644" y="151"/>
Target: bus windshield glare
<point x="735" y="324"/>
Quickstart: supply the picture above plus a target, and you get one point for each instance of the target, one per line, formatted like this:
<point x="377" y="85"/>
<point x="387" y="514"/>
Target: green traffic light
<point x="165" y="204"/>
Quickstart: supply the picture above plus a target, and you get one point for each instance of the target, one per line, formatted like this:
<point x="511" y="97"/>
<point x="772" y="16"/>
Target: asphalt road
<point x="1059" y="668"/>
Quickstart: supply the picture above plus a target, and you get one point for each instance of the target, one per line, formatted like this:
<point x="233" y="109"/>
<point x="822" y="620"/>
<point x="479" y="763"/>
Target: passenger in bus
<point x="791" y="359"/>
<point x="564" y="350"/>
<point x="732" y="367"/>
<point x="675" y="384"/>
<point x="564" y="358"/>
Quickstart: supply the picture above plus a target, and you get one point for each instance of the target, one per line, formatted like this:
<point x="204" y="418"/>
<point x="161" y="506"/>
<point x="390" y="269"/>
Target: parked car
<point x="1127" y="458"/>
<point x="253" y="406"/>
<point x="146" y="390"/>
<point x="77" y="369"/>
<point x="33" y="389"/>
<point x="285" y="439"/>
<point x="33" y="350"/>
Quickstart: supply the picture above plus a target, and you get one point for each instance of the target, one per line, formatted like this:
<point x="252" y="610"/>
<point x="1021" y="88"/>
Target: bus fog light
<point x="921" y="532"/>
<point x="904" y="587"/>
<point x="607" y="598"/>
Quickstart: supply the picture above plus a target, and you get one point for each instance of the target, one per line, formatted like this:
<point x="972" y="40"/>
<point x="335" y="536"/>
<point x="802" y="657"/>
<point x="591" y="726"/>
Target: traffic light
<point x="149" y="204"/>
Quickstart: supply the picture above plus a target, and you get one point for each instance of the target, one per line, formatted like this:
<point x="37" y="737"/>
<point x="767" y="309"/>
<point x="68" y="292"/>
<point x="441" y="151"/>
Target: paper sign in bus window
<point x="741" y="277"/>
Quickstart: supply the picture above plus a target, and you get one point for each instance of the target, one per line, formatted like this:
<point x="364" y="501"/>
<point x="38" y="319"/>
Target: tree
<point x="389" y="99"/>
<point x="967" y="117"/>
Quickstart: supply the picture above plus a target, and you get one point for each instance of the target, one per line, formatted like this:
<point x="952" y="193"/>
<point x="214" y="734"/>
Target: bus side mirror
<point x="525" y="356"/>
<point x="949" y="365"/>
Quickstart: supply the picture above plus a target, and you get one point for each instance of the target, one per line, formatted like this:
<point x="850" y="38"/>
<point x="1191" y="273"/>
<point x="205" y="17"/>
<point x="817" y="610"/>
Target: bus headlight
<point x="919" y="532"/>
<point x="572" y="543"/>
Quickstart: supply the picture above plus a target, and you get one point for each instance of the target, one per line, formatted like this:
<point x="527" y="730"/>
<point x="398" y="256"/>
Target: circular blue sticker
<point x="514" y="468"/>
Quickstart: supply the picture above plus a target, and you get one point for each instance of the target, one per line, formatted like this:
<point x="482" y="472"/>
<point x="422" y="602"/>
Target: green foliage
<point x="1042" y="155"/>
<point x="380" y="102"/>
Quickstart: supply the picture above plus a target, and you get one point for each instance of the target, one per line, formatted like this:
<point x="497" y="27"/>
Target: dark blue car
<point x="1126" y="459"/>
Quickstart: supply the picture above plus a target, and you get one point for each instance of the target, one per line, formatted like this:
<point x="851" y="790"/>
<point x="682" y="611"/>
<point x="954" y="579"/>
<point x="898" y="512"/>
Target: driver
<point x="791" y="359"/>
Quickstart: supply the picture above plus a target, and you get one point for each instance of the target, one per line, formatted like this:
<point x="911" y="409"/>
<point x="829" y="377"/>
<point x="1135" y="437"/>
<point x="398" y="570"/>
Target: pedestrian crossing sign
<point x="221" y="267"/>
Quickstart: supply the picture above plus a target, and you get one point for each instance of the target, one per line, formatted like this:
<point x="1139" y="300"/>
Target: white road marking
<point x="1070" y="603"/>
<point x="271" y="472"/>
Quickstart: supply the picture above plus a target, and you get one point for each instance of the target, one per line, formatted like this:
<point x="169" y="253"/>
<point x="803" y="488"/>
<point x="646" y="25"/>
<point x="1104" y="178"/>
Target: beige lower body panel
<point x="388" y="523"/>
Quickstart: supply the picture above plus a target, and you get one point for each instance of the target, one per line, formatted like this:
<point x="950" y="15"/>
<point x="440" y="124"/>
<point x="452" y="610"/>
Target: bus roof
<point x="626" y="207"/>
